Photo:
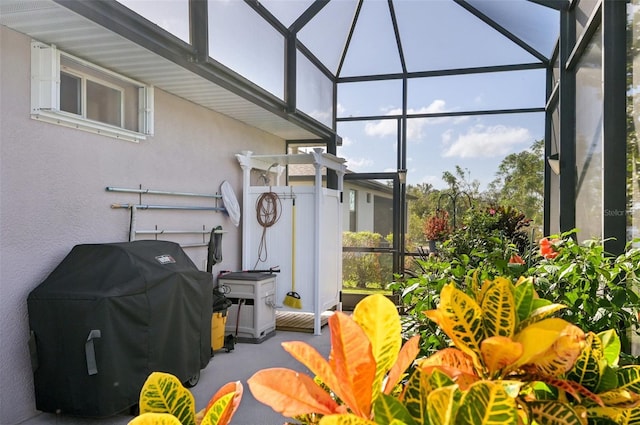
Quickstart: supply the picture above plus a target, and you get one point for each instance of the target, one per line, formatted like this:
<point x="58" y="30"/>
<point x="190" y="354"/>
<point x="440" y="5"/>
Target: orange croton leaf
<point x="499" y="352"/>
<point x="462" y="379"/>
<point x="318" y="365"/>
<point x="451" y="357"/>
<point x="230" y="387"/>
<point x="351" y="368"/>
<point x="291" y="393"/>
<point x="454" y="363"/>
<point x="407" y="355"/>
<point x="351" y="359"/>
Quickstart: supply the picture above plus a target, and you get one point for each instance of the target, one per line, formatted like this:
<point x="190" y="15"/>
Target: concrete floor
<point x="239" y="364"/>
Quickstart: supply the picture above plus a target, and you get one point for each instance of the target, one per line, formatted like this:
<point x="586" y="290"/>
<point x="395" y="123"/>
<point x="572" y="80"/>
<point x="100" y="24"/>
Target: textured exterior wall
<point x="52" y="195"/>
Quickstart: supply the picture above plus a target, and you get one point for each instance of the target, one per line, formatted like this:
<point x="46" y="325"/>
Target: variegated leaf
<point x="609" y="416"/>
<point x="539" y="314"/>
<point x="634" y="416"/>
<point x="620" y="398"/>
<point x="629" y="378"/>
<point x="379" y="319"/>
<point x="215" y="415"/>
<point x="524" y="295"/>
<point x="587" y="367"/>
<point x="482" y="291"/>
<point x="234" y="388"/>
<point x="562" y="354"/>
<point x="387" y="408"/>
<point x="407" y="355"/>
<point x="164" y="393"/>
<point x="611" y="346"/>
<point x="498" y="308"/>
<point x="155" y="419"/>
<point x="415" y="395"/>
<point x="486" y="403"/>
<point x="464" y="320"/>
<point x="551" y="412"/>
<point x="449" y="357"/>
<point x="291" y="393"/>
<point x="539" y="337"/>
<point x="576" y="390"/>
<point x="438" y="379"/>
<point x="345" y="419"/>
<point x="442" y="405"/>
<point x="351" y="359"/>
<point x="499" y="352"/>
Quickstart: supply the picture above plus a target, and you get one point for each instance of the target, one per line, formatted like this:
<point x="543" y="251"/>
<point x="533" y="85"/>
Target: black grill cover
<point x="108" y="316"/>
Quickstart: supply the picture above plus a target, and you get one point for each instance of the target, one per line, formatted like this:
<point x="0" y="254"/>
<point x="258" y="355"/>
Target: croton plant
<point x="165" y="401"/>
<point x="512" y="362"/>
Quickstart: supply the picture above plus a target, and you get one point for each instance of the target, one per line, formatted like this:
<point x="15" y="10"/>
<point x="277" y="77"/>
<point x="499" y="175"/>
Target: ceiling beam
<point x="553" y="4"/>
<point x="502" y="30"/>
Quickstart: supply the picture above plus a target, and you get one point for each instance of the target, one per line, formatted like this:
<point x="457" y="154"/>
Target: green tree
<point x="420" y="204"/>
<point x="519" y="182"/>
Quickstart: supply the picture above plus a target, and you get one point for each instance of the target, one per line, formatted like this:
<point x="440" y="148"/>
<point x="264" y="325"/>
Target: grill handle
<point x="90" y="352"/>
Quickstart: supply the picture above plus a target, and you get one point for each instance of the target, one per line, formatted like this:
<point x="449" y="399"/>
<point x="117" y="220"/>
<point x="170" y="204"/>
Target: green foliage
<point x="487" y="240"/>
<point x="599" y="289"/>
<point x="365" y="269"/>
<point x="519" y="181"/>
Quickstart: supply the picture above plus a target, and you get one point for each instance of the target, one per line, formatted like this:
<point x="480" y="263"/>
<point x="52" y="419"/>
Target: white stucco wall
<point x="52" y="195"/>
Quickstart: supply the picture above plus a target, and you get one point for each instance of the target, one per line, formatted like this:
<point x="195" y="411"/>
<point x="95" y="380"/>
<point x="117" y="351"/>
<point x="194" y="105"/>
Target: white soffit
<point x="50" y="23"/>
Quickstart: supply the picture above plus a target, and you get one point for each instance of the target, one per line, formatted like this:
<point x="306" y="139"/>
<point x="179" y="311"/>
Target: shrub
<point x="436" y="227"/>
<point x="512" y="362"/>
<point x="598" y="288"/>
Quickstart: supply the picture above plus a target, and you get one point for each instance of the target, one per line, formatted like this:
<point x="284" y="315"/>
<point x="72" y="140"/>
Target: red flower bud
<point x="516" y="259"/>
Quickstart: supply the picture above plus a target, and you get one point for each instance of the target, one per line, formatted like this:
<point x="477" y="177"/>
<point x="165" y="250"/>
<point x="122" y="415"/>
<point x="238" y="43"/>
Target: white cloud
<point x="346" y="142"/>
<point x="483" y="141"/>
<point x="414" y="126"/>
<point x="356" y="164"/>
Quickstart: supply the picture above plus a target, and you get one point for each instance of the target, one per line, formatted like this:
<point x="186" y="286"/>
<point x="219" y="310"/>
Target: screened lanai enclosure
<point x="404" y="90"/>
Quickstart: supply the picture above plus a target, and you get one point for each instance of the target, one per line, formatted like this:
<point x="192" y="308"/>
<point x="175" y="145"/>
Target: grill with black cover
<point x="108" y="316"/>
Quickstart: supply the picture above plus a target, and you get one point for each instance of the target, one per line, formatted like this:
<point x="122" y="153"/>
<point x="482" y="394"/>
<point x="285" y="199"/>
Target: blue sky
<point x="436" y="34"/>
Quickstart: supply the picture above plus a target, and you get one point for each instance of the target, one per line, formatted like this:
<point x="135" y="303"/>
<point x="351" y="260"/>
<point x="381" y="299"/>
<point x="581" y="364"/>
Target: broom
<point x="292" y="299"/>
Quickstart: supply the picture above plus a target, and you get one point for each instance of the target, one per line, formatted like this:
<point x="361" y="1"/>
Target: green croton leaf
<point x="551" y="412"/>
<point x="611" y="346"/>
<point x="539" y="314"/>
<point x="608" y="379"/>
<point x="415" y="396"/>
<point x="462" y="320"/>
<point x="386" y="409"/>
<point x="213" y="415"/>
<point x="587" y="370"/>
<point x="442" y="405"/>
<point x="164" y="393"/>
<point x="524" y="295"/>
<point x="486" y="403"/>
<point x="499" y="308"/>
<point x="629" y="378"/>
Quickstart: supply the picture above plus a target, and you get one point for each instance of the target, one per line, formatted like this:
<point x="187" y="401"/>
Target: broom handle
<point x="293" y="246"/>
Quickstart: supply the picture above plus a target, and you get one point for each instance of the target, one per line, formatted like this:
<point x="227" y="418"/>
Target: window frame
<point x="46" y="70"/>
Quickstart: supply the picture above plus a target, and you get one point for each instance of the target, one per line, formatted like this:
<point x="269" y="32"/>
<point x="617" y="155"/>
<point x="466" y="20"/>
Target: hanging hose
<point x="268" y="211"/>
